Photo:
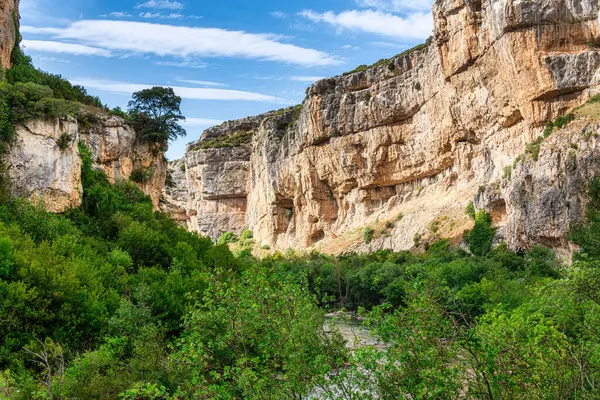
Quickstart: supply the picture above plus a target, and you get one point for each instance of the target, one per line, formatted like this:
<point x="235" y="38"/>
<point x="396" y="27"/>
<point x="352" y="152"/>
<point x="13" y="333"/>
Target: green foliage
<point x="533" y="148"/>
<point x="119" y="113"/>
<point x="226" y="238"/>
<point x="549" y="128"/>
<point x="368" y="235"/>
<point x="587" y="233"/>
<point x="245" y="340"/>
<point x="390" y="62"/>
<point x="141" y="175"/>
<point x="23" y="71"/>
<point x="482" y="235"/>
<point x="234" y="140"/>
<point x="64" y="141"/>
<point x="508" y="172"/>
<point x="564" y="120"/>
<point x="156" y="115"/>
<point x="470" y="211"/>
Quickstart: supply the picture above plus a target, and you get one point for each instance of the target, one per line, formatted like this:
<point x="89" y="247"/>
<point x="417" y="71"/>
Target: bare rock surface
<point x="43" y="170"/>
<point x="409" y="141"/>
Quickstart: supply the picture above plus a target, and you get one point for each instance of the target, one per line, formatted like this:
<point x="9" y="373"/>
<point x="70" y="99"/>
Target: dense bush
<point x="482" y="235"/>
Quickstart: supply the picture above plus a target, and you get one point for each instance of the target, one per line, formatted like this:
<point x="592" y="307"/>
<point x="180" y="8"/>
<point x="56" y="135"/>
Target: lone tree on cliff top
<point x="156" y="115"/>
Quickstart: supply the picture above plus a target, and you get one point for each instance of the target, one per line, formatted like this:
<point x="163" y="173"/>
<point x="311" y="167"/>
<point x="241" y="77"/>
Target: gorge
<point x="419" y="135"/>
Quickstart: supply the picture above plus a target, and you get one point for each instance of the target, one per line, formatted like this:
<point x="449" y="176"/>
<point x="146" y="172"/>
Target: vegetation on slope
<point x="390" y="61"/>
<point x="113" y="299"/>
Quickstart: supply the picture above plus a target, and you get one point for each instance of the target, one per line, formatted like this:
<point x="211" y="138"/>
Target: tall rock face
<point x="9" y="21"/>
<point x="44" y="163"/>
<point x="403" y="146"/>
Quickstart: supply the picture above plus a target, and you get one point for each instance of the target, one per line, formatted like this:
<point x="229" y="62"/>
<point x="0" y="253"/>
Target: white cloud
<point x="149" y="15"/>
<point x="157" y="15"/>
<point x="279" y="14"/>
<point x="182" y="64"/>
<point x="192" y="121"/>
<point x="201" y="83"/>
<point x="119" y="14"/>
<point x="185" y="42"/>
<point x="64" y="48"/>
<point x="128" y="88"/>
<point x="309" y="79"/>
<point x="161" y="5"/>
<point x="413" y="26"/>
<point x="397" y="5"/>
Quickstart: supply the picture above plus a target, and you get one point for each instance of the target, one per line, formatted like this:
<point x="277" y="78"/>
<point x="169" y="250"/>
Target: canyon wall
<point x="9" y="25"/>
<point x="44" y="163"/>
<point x="404" y="146"/>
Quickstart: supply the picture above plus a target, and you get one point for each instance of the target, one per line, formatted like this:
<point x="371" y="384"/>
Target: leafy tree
<point x="257" y="337"/>
<point x="156" y="115"/>
<point x="482" y="235"/>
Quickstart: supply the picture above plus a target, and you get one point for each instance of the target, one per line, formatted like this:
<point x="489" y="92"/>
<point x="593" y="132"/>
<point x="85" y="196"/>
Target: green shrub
<point x="470" y="211"/>
<point x="64" y="141"/>
<point x="246" y="234"/>
<point x="508" y="172"/>
<point x="563" y="121"/>
<point x="549" y="128"/>
<point x="482" y="235"/>
<point x="534" y="148"/>
<point x="368" y="235"/>
<point x="226" y="238"/>
<point x="141" y="175"/>
<point x="389" y="225"/>
<point x="417" y="239"/>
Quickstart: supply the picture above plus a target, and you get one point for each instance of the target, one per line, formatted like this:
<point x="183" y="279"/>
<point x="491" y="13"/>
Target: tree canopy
<point x="156" y="115"/>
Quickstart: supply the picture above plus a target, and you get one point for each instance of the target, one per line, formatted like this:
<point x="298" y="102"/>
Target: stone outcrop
<point x="403" y="146"/>
<point x="542" y="196"/>
<point x="9" y="20"/>
<point x="44" y="163"/>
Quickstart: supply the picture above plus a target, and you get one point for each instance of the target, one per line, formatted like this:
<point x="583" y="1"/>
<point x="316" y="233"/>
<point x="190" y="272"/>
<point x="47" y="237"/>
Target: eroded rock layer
<point x="9" y="21"/>
<point x="44" y="163"/>
<point x="405" y="145"/>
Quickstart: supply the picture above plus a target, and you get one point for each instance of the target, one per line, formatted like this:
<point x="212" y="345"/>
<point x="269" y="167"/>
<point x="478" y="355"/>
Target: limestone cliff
<point x="44" y="163"/>
<point x="9" y="20"/>
<point x="403" y="146"/>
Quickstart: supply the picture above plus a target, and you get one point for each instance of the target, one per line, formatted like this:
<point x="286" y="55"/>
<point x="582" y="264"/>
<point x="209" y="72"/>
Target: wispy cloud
<point x="279" y="14"/>
<point x="417" y="25"/>
<point x="157" y="15"/>
<point x="161" y="5"/>
<point x="64" y="48"/>
<point x="184" y="42"/>
<point x="118" y="14"/>
<point x="201" y="83"/>
<point x="128" y="88"/>
<point x="182" y="64"/>
<point x="396" y="5"/>
<point x="309" y="79"/>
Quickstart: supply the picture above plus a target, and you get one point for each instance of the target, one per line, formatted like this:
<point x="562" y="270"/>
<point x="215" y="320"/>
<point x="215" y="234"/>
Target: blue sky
<point x="228" y="59"/>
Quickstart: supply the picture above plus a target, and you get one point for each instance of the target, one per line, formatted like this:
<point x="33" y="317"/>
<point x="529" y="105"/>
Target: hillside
<point x="417" y="135"/>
